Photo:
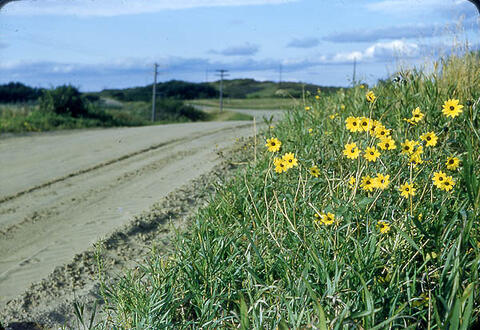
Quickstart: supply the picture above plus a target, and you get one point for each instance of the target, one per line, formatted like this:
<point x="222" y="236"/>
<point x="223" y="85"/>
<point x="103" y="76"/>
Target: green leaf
<point x="244" y="321"/>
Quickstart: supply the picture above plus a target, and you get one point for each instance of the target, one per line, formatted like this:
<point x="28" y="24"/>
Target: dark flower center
<point x="368" y="182"/>
<point x="354" y="123"/>
<point x="407" y="147"/>
<point x="383" y="181"/>
<point x="407" y="189"/>
<point x="440" y="178"/>
<point x="364" y="123"/>
<point x="446" y="183"/>
<point x="417" y="115"/>
<point x="387" y="145"/>
<point x="371" y="153"/>
<point x="450" y="161"/>
<point x="452" y="107"/>
<point x="273" y="144"/>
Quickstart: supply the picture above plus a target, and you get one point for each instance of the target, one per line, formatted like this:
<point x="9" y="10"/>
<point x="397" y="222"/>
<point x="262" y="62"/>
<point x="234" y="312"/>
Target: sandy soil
<point x="63" y="192"/>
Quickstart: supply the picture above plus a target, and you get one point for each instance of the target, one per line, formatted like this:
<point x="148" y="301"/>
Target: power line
<point x="154" y="90"/>
<point x="280" y="75"/>
<point x="223" y="73"/>
<point x="354" y="71"/>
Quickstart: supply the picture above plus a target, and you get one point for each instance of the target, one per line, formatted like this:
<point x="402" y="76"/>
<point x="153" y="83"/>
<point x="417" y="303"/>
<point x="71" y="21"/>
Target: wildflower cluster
<point x="413" y="149"/>
<point x="284" y="163"/>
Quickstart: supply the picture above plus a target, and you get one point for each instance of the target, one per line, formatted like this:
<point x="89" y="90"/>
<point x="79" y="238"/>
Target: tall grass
<point x="257" y="256"/>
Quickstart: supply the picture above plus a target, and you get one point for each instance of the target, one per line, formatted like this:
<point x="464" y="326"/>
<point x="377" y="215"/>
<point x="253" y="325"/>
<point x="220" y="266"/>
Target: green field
<point x="341" y="236"/>
<point x="260" y="103"/>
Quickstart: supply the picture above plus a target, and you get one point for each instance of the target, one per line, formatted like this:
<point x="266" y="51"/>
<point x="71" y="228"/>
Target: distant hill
<point x="179" y="90"/>
<point x="175" y="89"/>
<point x="234" y="88"/>
<point x="250" y="88"/>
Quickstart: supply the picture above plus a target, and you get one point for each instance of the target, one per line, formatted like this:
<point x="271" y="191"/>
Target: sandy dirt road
<point x="61" y="192"/>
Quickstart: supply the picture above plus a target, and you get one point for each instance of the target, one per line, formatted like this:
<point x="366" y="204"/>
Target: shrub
<point x="169" y="109"/>
<point x="18" y="92"/>
<point x="64" y="100"/>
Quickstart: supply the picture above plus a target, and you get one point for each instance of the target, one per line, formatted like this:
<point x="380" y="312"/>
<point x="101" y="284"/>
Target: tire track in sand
<point x="50" y="224"/>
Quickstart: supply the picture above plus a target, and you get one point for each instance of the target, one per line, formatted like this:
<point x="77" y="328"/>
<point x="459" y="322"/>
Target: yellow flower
<point x="371" y="154"/>
<point x="410" y="121"/>
<point x="317" y="97"/>
<point x="351" y="150"/>
<point x="417" y="115"/>
<point x="407" y="190"/>
<point x="439" y="179"/>
<point x="353" y="124"/>
<point x="370" y="96"/>
<point x="442" y="181"/>
<point x="382" y="181"/>
<point x="365" y="124"/>
<point x="452" y="163"/>
<point x="416" y="159"/>
<point x="290" y="160"/>
<point x="273" y="144"/>
<point x="314" y="171"/>
<point x="352" y="181"/>
<point x="280" y="165"/>
<point x="383" y="226"/>
<point x="342" y="107"/>
<point x="448" y="184"/>
<point x="387" y="144"/>
<point x="327" y="219"/>
<point x="451" y="108"/>
<point x="430" y="138"/>
<point x="310" y="130"/>
<point x="368" y="183"/>
<point x="408" y="146"/>
<point x="381" y="132"/>
<point x="374" y="124"/>
<point x="333" y="116"/>
<point x="307" y="108"/>
<point x="362" y="86"/>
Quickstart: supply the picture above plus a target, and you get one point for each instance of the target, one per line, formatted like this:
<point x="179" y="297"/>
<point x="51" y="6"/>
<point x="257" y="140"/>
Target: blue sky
<point x="96" y="44"/>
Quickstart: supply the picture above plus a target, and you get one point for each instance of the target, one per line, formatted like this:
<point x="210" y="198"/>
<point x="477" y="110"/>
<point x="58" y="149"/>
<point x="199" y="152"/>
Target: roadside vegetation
<point x="359" y="210"/>
<point x="27" y="109"/>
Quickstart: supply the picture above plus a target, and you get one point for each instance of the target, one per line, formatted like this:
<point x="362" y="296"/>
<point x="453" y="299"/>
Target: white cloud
<point x="119" y="7"/>
<point x="380" y="51"/>
<point x="445" y="8"/>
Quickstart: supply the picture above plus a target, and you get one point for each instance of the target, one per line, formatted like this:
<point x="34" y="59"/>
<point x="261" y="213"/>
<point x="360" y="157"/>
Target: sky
<point x="98" y="44"/>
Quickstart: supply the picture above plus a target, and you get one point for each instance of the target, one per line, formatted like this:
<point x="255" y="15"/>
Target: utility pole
<point x="154" y="91"/>
<point x="223" y="73"/>
<point x="354" y="71"/>
<point x="280" y="75"/>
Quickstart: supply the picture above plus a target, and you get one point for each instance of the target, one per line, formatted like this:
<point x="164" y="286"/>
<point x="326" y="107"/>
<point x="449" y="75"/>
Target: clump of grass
<point x="318" y="244"/>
